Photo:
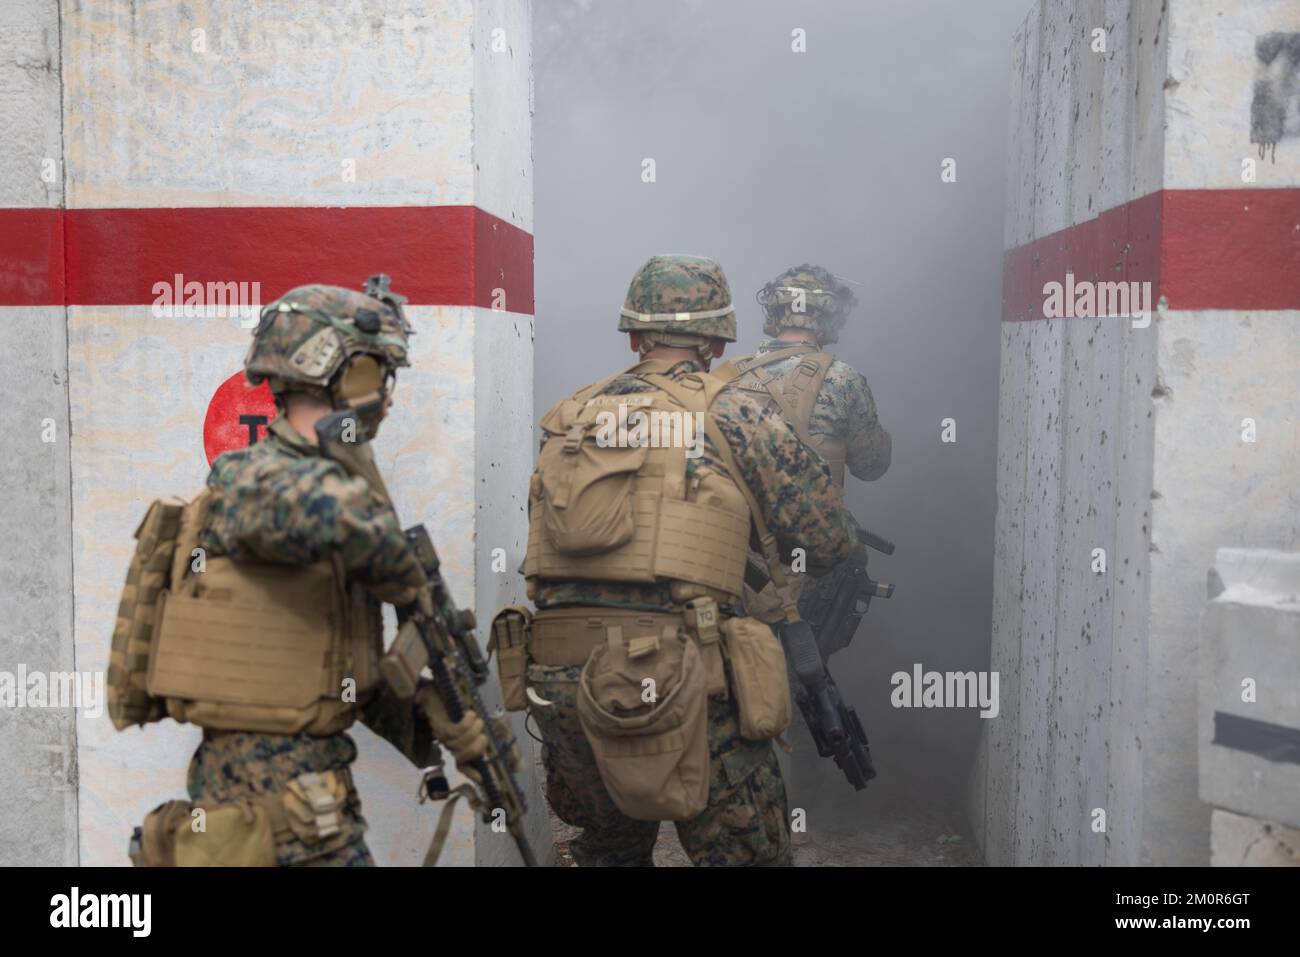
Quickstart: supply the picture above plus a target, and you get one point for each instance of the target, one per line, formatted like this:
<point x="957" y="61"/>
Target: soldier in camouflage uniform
<point x="320" y="348"/>
<point x="830" y="404"/>
<point x="680" y="316"/>
<point x="804" y="310"/>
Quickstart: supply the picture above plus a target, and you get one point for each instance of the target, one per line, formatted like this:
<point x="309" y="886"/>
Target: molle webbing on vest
<point x="624" y="514"/>
<point x="262" y="647"/>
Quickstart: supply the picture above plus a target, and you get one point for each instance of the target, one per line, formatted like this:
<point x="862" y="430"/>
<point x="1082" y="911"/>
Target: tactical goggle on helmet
<point x="345" y="343"/>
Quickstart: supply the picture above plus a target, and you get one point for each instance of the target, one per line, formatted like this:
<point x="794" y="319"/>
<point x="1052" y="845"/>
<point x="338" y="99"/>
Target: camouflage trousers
<point x="745" y="823"/>
<point x="230" y="765"/>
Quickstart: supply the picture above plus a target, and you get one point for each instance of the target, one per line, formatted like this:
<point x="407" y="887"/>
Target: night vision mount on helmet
<point x="339" y="343"/>
<point x="806" y="297"/>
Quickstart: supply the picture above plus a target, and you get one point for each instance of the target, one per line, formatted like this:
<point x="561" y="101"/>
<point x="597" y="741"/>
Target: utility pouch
<point x="509" y="641"/>
<point x="235" y="835"/>
<point x="154" y="842"/>
<point x="586" y="486"/>
<point x="642" y="704"/>
<point x="703" y="623"/>
<point x="759" y="678"/>
<point x="231" y="835"/>
<point x="314" y="804"/>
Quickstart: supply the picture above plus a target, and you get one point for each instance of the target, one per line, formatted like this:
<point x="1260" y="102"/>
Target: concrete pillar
<point x="272" y="144"/>
<point x="38" y="792"/>
<point x="1129" y="127"/>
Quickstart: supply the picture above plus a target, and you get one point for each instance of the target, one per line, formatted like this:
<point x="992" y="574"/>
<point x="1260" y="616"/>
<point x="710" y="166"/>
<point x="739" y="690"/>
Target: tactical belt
<point x="562" y="637"/>
<point x="565" y="636"/>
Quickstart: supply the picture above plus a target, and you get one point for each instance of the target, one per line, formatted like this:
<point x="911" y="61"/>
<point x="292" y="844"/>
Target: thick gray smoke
<point x="765" y="158"/>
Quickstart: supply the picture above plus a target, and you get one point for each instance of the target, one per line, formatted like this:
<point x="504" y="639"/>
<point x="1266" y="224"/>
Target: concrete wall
<point x="504" y="425"/>
<point x="1215" y="368"/>
<point x="210" y="111"/>
<point x="1072" y="406"/>
<point x="37" y="747"/>
<point x="1124" y="438"/>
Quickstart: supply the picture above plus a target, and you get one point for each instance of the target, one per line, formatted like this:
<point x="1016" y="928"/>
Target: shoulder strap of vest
<point x="767" y="541"/>
<point x="800" y="388"/>
<point x="737" y="367"/>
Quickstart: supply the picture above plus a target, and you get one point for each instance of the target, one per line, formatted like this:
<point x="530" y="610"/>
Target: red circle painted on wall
<point x="237" y="416"/>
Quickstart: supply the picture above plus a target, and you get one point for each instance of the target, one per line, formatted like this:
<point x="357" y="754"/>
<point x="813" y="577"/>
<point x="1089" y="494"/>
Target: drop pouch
<point x="642" y="703"/>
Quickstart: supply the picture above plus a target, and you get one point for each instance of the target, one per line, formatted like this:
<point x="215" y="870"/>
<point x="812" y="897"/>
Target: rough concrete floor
<point x="905" y="835"/>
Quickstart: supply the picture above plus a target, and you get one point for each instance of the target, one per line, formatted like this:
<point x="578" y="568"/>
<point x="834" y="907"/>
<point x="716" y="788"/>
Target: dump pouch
<point x="759" y="678"/>
<point x="509" y="640"/>
<point x="129" y="701"/>
<point x="642" y="704"/>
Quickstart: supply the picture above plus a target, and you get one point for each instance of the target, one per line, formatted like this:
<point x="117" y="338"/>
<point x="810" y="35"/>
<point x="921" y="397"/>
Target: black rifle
<point x="438" y="636"/>
<point x="446" y="637"/>
<point x="830" y="610"/>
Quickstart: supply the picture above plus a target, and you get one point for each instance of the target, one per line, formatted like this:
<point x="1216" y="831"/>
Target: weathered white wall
<point x="503" y="356"/>
<point x="1123" y="438"/>
<point x="1072" y="407"/>
<point x="38" y="800"/>
<point x="1215" y="368"/>
<point x="283" y="94"/>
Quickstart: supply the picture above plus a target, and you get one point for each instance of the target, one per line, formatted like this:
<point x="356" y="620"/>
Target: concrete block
<point x="1249" y="700"/>
<point x="1240" y="841"/>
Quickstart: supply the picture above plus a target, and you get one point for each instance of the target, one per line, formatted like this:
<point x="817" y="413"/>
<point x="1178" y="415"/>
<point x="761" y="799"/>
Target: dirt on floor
<point x="903" y="835"/>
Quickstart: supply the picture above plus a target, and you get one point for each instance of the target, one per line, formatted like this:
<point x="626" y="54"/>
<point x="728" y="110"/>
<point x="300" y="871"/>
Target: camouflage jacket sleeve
<point x="802" y="506"/>
<point x="867" y="446"/>
<point x="297" y="510"/>
<point x="402" y="724"/>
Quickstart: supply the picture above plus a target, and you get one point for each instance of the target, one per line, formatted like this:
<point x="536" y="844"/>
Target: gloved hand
<point x="466" y="739"/>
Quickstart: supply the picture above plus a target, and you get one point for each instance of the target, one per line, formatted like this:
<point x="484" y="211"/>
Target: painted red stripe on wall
<point x="31" y="257"/>
<point x="1231" y="249"/>
<point x="437" y="255"/>
<point x="1200" y="249"/>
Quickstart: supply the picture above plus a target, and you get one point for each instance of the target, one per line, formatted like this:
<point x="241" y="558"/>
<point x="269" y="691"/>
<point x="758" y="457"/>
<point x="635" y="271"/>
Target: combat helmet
<point x="806" y="297"/>
<point x="679" y="300"/>
<point x="342" y="345"/>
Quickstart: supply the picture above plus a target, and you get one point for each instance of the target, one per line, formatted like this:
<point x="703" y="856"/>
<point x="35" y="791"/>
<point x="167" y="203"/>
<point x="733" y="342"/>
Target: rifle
<point x="826" y="623"/>
<point x="433" y="633"/>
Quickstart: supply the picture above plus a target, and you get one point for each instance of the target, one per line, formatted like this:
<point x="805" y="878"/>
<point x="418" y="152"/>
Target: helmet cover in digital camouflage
<point x="680" y="295"/>
<point x="806" y="297"/>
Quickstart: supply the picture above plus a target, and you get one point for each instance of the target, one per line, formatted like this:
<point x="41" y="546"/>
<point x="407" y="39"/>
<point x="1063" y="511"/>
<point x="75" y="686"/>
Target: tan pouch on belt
<point x="643" y="706"/>
<point x="509" y="642"/>
<point x="156" y="837"/>
<point x="759" y="678"/>
<point x="231" y="835"/>
<point x="234" y="835"/>
<point x="314" y="804"/>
